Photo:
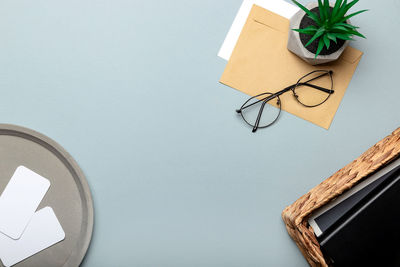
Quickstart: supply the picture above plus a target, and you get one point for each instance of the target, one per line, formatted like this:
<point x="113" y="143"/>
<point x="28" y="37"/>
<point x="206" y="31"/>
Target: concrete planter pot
<point x="296" y="46"/>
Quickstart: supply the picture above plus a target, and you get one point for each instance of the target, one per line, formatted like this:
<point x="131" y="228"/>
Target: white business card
<point x="43" y="231"/>
<point x="19" y="201"/>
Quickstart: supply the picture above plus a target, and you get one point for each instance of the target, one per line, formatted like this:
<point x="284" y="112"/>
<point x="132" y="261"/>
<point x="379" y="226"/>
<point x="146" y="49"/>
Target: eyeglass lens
<point x="251" y="109"/>
<point x="314" y="88"/>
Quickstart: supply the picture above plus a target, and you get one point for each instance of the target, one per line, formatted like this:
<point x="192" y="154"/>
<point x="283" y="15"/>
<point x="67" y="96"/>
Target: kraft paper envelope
<point x="261" y="63"/>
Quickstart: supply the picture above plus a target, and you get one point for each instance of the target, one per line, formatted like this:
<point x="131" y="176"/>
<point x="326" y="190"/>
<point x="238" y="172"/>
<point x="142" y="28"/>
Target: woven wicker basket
<point x="296" y="215"/>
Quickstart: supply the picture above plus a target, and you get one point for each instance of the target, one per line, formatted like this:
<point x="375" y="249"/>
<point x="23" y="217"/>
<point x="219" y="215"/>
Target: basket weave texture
<point x="296" y="215"/>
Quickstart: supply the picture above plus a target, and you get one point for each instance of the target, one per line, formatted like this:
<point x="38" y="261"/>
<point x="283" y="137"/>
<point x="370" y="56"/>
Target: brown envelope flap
<point x="269" y="19"/>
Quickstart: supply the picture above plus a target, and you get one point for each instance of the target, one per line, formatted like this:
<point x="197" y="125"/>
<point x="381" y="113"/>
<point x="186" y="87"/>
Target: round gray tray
<point x="69" y="194"/>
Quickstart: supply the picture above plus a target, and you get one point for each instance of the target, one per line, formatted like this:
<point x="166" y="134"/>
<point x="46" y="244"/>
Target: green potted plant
<point x="319" y="32"/>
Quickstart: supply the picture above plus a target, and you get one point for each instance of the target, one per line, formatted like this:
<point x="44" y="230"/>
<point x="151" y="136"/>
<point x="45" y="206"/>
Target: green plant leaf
<point x="312" y="27"/>
<point x="310" y="30"/>
<point x="316" y="35"/>
<point x="310" y="14"/>
<point x="331" y="37"/>
<point x="346" y="25"/>
<point x="352" y="15"/>
<point x="327" y="8"/>
<point x="341" y="12"/>
<point x="341" y="32"/>
<point x="354" y="32"/>
<point x="327" y="42"/>
<point x="304" y="31"/>
<point x="340" y="28"/>
<point x="349" y="5"/>
<point x="336" y="8"/>
<point x="321" y="10"/>
<point x="320" y="46"/>
<point x="343" y="36"/>
<point x="348" y="32"/>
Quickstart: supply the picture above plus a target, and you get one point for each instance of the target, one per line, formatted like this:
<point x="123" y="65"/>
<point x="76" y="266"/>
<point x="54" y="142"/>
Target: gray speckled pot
<point x="295" y="45"/>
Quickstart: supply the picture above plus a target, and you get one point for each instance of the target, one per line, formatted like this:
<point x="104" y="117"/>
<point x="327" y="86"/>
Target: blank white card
<point x="43" y="231"/>
<point x="19" y="201"/>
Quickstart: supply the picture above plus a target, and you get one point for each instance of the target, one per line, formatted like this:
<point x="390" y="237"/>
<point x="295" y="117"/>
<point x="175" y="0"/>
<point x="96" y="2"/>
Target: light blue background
<point x="130" y="89"/>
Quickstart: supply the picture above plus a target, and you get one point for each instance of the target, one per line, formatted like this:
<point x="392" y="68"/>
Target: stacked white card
<point x="24" y="231"/>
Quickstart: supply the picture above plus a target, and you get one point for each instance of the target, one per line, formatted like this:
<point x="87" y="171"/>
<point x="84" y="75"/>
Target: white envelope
<point x="279" y="7"/>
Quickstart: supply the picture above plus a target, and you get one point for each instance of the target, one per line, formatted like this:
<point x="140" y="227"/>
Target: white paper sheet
<point x="19" y="201"/>
<point x="43" y="231"/>
<point x="279" y="7"/>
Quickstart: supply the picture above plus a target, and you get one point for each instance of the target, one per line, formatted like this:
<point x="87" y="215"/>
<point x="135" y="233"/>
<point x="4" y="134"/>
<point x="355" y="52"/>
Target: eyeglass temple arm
<point x="318" y="87"/>
<point x="319" y="76"/>
<point x="259" y="117"/>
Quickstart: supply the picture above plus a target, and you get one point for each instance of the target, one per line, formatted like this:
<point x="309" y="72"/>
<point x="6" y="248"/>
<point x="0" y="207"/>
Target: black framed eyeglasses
<point x="311" y="90"/>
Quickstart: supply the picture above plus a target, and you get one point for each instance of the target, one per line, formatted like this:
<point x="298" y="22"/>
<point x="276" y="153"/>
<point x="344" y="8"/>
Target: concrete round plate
<point x="69" y="193"/>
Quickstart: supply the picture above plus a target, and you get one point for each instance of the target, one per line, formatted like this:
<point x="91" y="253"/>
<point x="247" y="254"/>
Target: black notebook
<point x="368" y="233"/>
<point x="328" y="215"/>
<point x="328" y="219"/>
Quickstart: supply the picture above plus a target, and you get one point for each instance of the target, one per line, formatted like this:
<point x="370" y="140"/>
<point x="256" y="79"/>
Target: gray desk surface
<point x="130" y="89"/>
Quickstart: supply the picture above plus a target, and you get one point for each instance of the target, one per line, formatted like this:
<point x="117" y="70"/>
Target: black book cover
<point x="368" y="234"/>
<point x="328" y="219"/>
